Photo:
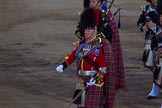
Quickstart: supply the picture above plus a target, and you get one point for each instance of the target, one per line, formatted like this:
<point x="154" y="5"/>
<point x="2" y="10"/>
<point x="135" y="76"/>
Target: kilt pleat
<point x="95" y="96"/>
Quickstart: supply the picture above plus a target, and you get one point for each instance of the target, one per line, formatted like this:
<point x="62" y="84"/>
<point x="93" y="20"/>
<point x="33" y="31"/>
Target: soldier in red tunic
<point x="92" y="68"/>
<point x="110" y="32"/>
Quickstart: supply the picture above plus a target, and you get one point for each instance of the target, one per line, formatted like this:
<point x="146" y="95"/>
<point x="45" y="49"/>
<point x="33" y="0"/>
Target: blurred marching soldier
<point x="110" y="31"/>
<point x="95" y="65"/>
<point x="145" y="23"/>
<point x="157" y="30"/>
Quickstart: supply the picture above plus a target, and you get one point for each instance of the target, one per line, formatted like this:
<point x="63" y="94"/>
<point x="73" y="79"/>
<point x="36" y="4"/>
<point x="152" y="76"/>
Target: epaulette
<point x="77" y="43"/>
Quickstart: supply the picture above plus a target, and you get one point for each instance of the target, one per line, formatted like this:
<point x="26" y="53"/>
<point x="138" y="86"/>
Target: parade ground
<point x="35" y="35"/>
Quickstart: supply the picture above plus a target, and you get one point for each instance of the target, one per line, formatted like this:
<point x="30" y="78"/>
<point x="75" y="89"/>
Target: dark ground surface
<point x="34" y="37"/>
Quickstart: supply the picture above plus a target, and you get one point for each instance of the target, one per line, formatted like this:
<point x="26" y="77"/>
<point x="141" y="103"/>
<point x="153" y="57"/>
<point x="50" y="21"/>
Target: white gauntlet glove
<point x="97" y="80"/>
<point x="59" y="68"/>
<point x="91" y="82"/>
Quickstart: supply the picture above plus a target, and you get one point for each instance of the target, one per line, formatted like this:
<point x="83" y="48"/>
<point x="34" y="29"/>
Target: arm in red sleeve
<point x="69" y="59"/>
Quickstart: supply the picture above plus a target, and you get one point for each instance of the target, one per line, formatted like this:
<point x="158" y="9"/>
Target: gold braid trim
<point x="101" y="35"/>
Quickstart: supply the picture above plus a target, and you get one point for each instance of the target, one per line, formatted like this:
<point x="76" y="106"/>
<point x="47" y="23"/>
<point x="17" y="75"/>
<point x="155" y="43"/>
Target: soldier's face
<point x="160" y="19"/>
<point x="154" y="2"/>
<point x="89" y="33"/>
<point x="94" y="3"/>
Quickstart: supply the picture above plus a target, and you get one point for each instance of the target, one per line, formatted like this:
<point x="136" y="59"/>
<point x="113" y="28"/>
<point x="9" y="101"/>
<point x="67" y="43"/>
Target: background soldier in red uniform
<point x="94" y="65"/>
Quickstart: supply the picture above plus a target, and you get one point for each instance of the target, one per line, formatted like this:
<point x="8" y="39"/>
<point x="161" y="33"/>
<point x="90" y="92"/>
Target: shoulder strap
<point x="93" y="63"/>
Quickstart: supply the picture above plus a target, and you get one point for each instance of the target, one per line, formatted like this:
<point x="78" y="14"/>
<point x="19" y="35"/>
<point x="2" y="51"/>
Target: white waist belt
<point x="87" y="73"/>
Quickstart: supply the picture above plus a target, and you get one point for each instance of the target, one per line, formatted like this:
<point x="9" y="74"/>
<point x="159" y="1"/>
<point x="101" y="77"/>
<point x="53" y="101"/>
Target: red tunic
<point x="83" y="64"/>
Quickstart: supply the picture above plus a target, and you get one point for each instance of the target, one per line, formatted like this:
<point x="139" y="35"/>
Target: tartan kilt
<point x="94" y="96"/>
